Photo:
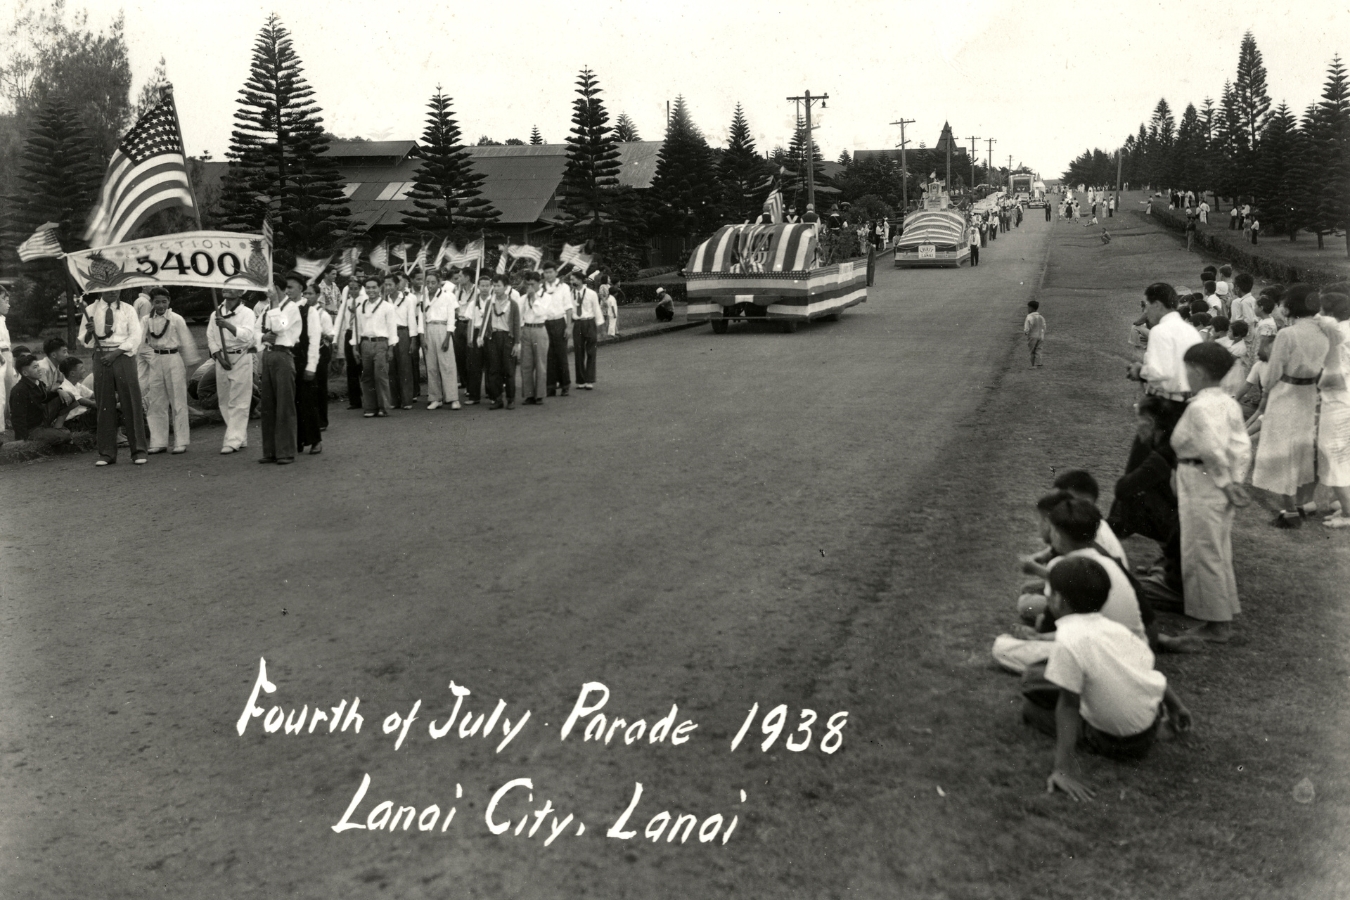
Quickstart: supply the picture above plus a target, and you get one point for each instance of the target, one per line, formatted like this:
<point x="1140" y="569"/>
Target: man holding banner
<point x="230" y="338"/>
<point x="112" y="330"/>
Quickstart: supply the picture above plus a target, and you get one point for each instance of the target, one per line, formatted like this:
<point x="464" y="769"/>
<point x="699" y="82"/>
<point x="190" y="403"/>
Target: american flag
<point x="146" y="174"/>
<point x="311" y="268"/>
<point x="347" y="266"/>
<point x="379" y="257"/>
<point x="774" y="207"/>
<point x="42" y="243"/>
<point x="526" y="251"/>
<point x="472" y="254"/>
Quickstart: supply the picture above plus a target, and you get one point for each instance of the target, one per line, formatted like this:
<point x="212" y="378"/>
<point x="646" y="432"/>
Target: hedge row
<point x="1240" y="254"/>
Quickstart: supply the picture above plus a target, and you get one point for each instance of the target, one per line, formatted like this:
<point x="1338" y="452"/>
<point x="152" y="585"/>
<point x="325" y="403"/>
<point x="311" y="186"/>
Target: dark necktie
<point x="108" y="321"/>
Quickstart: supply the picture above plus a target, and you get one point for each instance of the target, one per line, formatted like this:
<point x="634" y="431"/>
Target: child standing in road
<point x="1034" y="329"/>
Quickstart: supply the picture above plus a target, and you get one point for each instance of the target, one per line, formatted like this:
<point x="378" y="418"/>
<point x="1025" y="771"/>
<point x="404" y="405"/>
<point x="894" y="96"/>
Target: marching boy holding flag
<point x="230" y="338"/>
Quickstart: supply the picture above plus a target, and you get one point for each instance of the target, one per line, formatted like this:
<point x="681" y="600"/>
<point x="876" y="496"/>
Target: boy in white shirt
<point x="1106" y="694"/>
<point x="1213" y="450"/>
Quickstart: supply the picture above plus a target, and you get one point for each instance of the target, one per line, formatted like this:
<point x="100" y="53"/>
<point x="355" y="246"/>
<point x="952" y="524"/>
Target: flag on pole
<point x="774" y="207"/>
<point x="311" y="268"/>
<point x="472" y="254"/>
<point x="379" y="257"/>
<point x="526" y="251"/>
<point x="43" y="243"/>
<point x="421" y="261"/>
<point x="501" y="259"/>
<point x="570" y="253"/>
<point x="347" y="265"/>
<point x="147" y="173"/>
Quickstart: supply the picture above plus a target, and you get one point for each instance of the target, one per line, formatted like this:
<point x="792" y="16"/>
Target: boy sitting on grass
<point x="1103" y="692"/>
<point x="1078" y="483"/>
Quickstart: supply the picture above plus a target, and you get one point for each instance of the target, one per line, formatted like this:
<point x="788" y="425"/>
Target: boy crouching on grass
<point x="1106" y="696"/>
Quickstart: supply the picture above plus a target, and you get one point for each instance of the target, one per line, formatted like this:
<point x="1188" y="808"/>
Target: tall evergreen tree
<point x="276" y="156"/>
<point x="1189" y="151"/>
<point x="58" y="183"/>
<point x="743" y="172"/>
<point x="592" y="172"/>
<point x="624" y="129"/>
<point x="1253" y="107"/>
<point x="845" y="158"/>
<point x="1231" y="144"/>
<point x="802" y="149"/>
<point x="447" y="191"/>
<point x="1161" y="136"/>
<point x="1330" y="137"/>
<point x="1308" y="176"/>
<point x="686" y="185"/>
<point x="1275" y="184"/>
<point x="535" y="137"/>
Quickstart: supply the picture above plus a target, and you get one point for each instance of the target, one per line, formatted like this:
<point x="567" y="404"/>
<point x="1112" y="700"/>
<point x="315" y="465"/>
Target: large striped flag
<point x="146" y="174"/>
<point x="43" y="243"/>
<point x="379" y="257"/>
<point x="347" y="265"/>
<point x="774" y="207"/>
<point x="526" y="251"/>
<point x="471" y="254"/>
<point x="570" y="253"/>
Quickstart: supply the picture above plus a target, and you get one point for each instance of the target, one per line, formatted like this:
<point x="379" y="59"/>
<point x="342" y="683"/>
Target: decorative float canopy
<point x="754" y="249"/>
<point x="944" y="229"/>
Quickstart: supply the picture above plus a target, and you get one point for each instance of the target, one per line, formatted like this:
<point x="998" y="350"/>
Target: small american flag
<point x="774" y="207"/>
<point x="347" y="266"/>
<point x="43" y="243"/>
<point x="379" y="257"/>
<point x="311" y="268"/>
<point x="147" y="173"/>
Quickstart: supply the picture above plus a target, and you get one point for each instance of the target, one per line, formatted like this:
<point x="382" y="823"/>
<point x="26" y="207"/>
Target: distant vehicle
<point x="935" y="237"/>
<point x="1038" y="198"/>
<point x="1020" y="187"/>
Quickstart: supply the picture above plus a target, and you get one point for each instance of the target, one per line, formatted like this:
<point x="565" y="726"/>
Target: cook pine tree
<point x="744" y="173"/>
<point x="624" y="129"/>
<point x="277" y="165"/>
<point x="686" y="186"/>
<point x="447" y="191"/>
<point x="591" y="175"/>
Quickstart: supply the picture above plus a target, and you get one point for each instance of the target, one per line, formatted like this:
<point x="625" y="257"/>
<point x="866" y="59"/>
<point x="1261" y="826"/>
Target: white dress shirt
<point x="405" y="308"/>
<point x="588" y="306"/>
<point x="173" y="335"/>
<point x="465" y="298"/>
<point x="1168" y="342"/>
<point x="441" y="308"/>
<point x="79" y="392"/>
<point x="376" y="319"/>
<point x="283" y="320"/>
<point x="314" y="328"/>
<point x="1244" y="310"/>
<point x="1212" y="431"/>
<point x="532" y="310"/>
<point x="126" y="329"/>
<point x="556" y="301"/>
<point x="242" y="339"/>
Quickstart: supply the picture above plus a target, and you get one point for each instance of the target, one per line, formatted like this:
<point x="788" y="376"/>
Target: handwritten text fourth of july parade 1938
<point x="585" y="719"/>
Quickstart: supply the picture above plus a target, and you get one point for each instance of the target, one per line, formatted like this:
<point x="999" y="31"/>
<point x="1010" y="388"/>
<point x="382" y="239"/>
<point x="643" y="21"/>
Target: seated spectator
<point x="55" y="352"/>
<point x="202" y="389"/>
<point x="1219" y="325"/>
<point x="1099" y="688"/>
<point x="33" y="407"/>
<point x="75" y="417"/>
<point x="1080" y="484"/>
<point x="1201" y="321"/>
<point x="1223" y="285"/>
<point x="665" y="306"/>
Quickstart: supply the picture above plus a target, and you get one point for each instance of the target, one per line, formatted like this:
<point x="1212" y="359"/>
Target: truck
<point x="769" y="272"/>
<point x="1021" y="186"/>
<point x="936" y="236"/>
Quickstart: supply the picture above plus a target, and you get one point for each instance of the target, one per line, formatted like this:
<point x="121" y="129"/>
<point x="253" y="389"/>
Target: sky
<point x="1045" y="79"/>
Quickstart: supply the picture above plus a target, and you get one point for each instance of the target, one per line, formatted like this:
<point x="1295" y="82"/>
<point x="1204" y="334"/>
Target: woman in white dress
<point x="1286" y="456"/>
<point x="1333" y="427"/>
<point x="610" y="305"/>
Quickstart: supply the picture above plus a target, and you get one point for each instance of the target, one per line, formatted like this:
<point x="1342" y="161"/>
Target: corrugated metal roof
<point x="521" y="182"/>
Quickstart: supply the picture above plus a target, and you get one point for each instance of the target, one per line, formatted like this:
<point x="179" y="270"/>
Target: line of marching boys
<point x="275" y="356"/>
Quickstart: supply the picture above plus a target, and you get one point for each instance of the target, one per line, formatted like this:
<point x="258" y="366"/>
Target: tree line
<point x="1295" y="169"/>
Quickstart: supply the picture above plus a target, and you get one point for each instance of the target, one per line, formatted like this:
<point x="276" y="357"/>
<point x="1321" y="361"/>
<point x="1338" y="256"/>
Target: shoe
<point x="497" y="404"/>
<point x="268" y="459"/>
<point x="470" y="402"/>
<point x="409" y="406"/>
<point x="354" y="407"/>
<point x="139" y="461"/>
<point x="434" y="404"/>
<point x="382" y="415"/>
<point x="154" y="450"/>
<point x="510" y="404"/>
<point x="1337" y="521"/>
<point x="285" y="460"/>
<point x="178" y="450"/>
<point x="316" y="449"/>
<point x="226" y="451"/>
<point x="454" y="404"/>
<point x="104" y="462"/>
<point x="553" y="392"/>
<point x="564" y="392"/>
<point x="1287" y="519"/>
<point x="368" y="415"/>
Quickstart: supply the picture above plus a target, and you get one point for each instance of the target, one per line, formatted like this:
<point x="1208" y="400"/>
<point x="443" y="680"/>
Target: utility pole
<point x="991" y="142"/>
<point x="1119" y="154"/>
<point x="904" y="169"/>
<point x="972" y="140"/>
<point x="810" y="150"/>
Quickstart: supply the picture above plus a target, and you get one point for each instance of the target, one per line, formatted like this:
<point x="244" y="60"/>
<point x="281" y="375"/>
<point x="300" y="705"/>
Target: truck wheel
<point x="832" y="317"/>
<point x="790" y="326"/>
<point x="719" y="326"/>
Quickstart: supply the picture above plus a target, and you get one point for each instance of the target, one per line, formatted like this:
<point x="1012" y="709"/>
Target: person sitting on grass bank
<point x="1212" y="448"/>
<point x="665" y="306"/>
<point x="33" y="406"/>
<point x="75" y="417"/>
<point x="1100" y="689"/>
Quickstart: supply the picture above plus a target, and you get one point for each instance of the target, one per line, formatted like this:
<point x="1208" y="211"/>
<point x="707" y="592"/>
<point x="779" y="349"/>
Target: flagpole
<point x="166" y="93"/>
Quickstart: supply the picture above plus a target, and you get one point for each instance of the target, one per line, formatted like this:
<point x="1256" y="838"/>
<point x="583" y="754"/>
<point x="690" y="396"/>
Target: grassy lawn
<point x="1213" y="816"/>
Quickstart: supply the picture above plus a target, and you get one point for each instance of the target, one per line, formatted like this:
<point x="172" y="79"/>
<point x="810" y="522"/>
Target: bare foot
<point x="1182" y="643"/>
<point x="1214" y="632"/>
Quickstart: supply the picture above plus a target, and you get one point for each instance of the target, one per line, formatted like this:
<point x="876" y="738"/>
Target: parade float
<point x="935" y="236"/>
<point x="784" y="273"/>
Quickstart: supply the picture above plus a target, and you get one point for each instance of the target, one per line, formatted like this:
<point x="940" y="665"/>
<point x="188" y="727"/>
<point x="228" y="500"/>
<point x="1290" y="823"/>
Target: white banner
<point x="209" y="259"/>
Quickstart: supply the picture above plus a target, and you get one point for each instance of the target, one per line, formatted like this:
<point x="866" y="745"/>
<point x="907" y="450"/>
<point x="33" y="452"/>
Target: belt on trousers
<point x="162" y="352"/>
<point x="238" y="351"/>
<point x="534" y="324"/>
<point x="437" y="322"/>
<point x="1168" y="395"/>
<point x="1191" y="461"/>
<point x="1289" y="379"/>
<point x="376" y="340"/>
<point x="278" y="348"/>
